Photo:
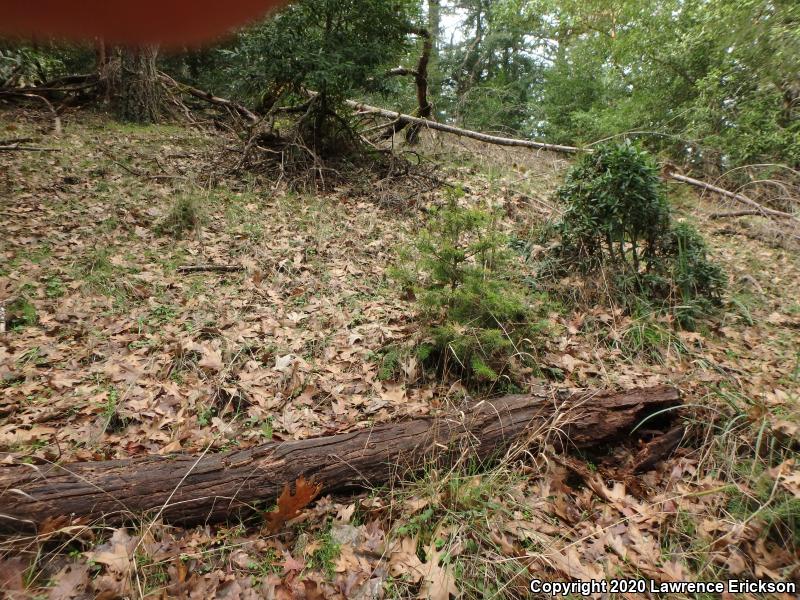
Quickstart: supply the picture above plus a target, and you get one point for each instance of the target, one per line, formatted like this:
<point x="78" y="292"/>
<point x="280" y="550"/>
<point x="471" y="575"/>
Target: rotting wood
<point x="214" y="487"/>
<point x="658" y="449"/>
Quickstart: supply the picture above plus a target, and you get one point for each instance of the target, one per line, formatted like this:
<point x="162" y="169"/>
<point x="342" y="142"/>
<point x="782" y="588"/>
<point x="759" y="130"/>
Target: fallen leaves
<point x="71" y="582"/>
<point x="175" y="362"/>
<point x="290" y="505"/>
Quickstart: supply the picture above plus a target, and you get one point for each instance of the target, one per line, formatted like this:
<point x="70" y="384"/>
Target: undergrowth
<point x="748" y="446"/>
<point x="617" y="222"/>
<point x="454" y="518"/>
<point x="477" y="317"/>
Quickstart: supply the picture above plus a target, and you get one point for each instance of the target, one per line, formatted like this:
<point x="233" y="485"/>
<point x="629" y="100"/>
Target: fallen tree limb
<point x="18" y="148"/>
<point x="482" y="137"/>
<point x="209" y="268"/>
<point x="733" y="195"/>
<point x="56" y="119"/>
<point x="214" y="487"/>
<point x="241" y="110"/>
<point x="751" y="212"/>
<point x="403" y="119"/>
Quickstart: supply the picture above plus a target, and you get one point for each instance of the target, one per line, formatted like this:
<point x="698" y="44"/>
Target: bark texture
<point x="139" y="95"/>
<point x="190" y="489"/>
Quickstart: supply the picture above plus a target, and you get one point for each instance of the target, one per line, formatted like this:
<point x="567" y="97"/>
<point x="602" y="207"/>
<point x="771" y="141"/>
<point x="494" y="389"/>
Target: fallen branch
<point x="56" y="118"/>
<point x="736" y="213"/>
<point x="18" y="148"/>
<point x="214" y="487"/>
<point x="404" y="119"/>
<point x="210" y="98"/>
<point x="482" y="137"/>
<point x="733" y="195"/>
<point x="212" y="268"/>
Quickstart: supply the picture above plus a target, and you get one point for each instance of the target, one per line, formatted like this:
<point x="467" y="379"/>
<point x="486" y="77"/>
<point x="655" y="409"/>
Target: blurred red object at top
<point x="166" y="22"/>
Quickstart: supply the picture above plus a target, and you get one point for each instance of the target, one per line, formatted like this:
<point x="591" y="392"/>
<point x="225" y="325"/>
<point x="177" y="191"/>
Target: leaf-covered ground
<point x="112" y="352"/>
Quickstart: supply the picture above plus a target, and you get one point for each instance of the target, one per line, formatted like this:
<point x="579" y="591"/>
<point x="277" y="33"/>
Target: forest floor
<point x="114" y="353"/>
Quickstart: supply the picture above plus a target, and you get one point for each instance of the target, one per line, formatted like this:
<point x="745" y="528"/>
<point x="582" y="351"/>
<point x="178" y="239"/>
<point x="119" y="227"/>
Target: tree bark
<point x="188" y="489"/>
<point x="424" y="106"/>
<point x="139" y="94"/>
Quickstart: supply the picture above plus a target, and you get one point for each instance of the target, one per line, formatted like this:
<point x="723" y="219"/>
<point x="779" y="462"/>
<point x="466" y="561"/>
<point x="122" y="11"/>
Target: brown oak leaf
<point x="290" y="505"/>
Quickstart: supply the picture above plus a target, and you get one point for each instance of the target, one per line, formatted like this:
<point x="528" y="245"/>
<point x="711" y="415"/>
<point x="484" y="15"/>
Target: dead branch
<point x="18" y="148"/>
<point x="763" y="210"/>
<point x="736" y="213"/>
<point x="481" y="137"/>
<point x="239" y="109"/>
<point x="209" y="268"/>
<point x="56" y="118"/>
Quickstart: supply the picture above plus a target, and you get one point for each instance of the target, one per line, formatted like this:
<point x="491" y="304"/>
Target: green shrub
<point x="616" y="207"/>
<point x="477" y="319"/>
<point x="617" y="217"/>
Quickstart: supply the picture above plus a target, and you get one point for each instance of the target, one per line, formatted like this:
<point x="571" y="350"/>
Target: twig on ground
<point x="209" y="268"/>
<point x="56" y="119"/>
<point x="736" y="213"/>
<point x="18" y="148"/>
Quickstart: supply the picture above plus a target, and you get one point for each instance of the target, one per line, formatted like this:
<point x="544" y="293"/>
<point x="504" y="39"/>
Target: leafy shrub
<point x="617" y="216"/>
<point x="616" y="207"/>
<point x="478" y="320"/>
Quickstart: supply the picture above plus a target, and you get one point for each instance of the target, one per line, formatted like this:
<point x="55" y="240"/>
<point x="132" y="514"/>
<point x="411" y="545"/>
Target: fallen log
<point x="213" y="487"/>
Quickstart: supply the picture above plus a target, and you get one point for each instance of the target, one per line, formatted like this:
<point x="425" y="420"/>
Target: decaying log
<point x="213" y="487"/>
<point x="658" y="449"/>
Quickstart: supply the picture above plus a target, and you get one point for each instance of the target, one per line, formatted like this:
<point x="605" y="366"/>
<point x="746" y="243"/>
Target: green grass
<point x="21" y="313"/>
<point x="462" y="512"/>
<point x="186" y="215"/>
<point x="101" y="276"/>
<point x="649" y="339"/>
<point x="324" y="557"/>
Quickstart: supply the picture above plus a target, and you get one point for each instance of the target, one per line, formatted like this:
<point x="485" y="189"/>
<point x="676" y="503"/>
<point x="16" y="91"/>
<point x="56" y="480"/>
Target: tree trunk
<point x="139" y="94"/>
<point x="435" y="31"/>
<point x="434" y="26"/>
<point x="187" y="489"/>
<point x="424" y="106"/>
